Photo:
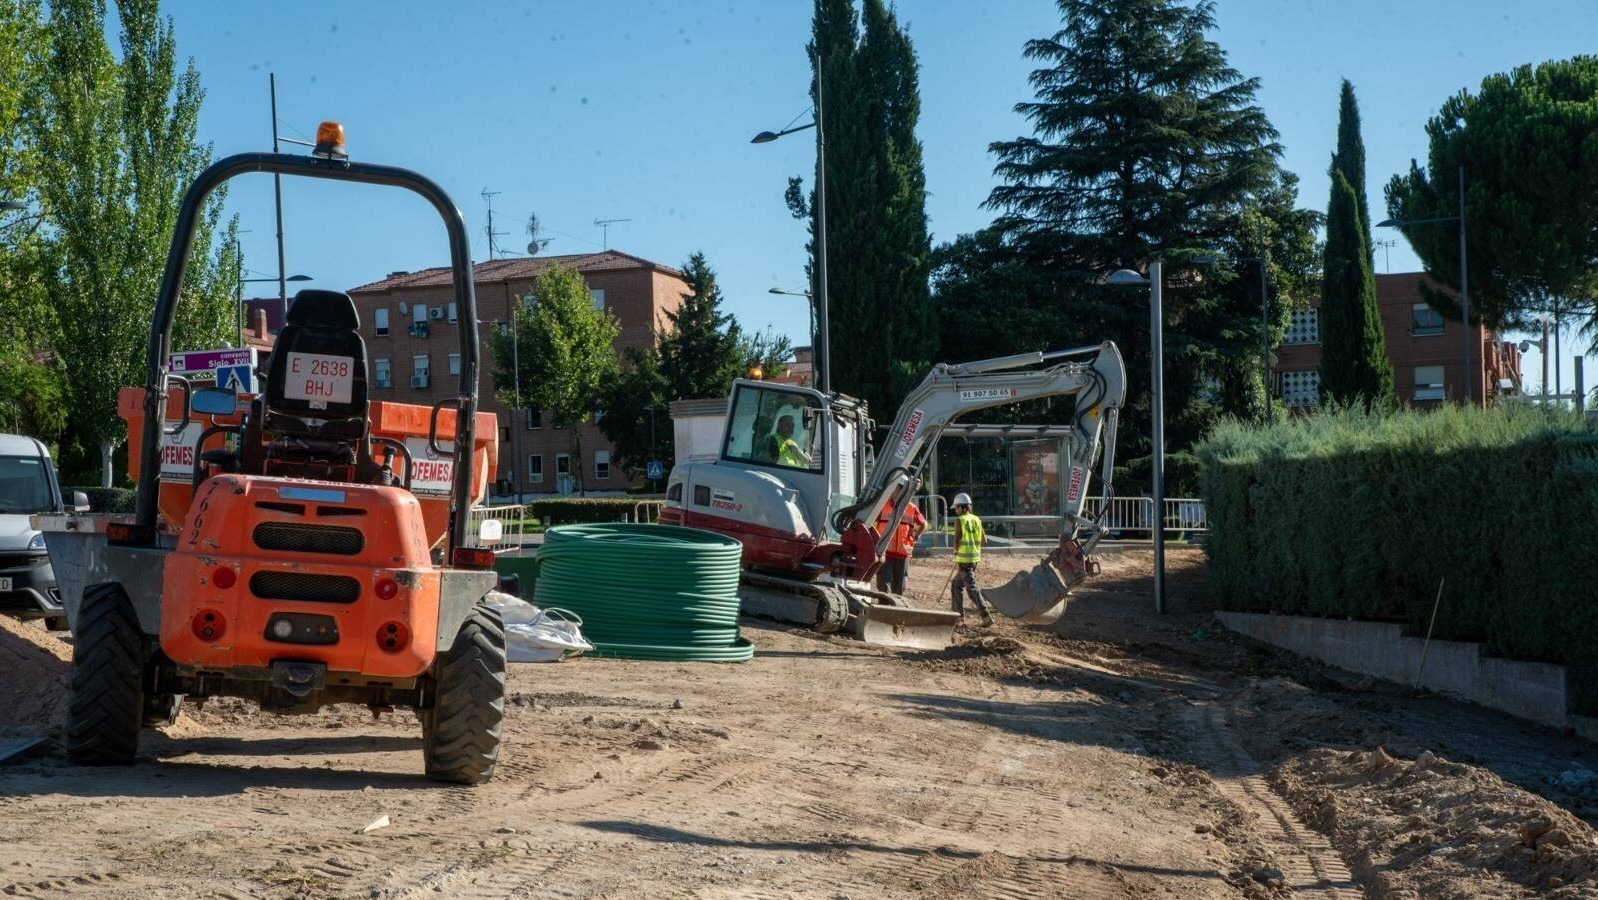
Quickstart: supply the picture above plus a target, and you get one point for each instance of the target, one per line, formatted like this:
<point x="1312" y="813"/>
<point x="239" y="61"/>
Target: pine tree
<point x="1354" y="363"/>
<point x="1147" y="144"/>
<point x="697" y="357"/>
<point x="699" y="353"/>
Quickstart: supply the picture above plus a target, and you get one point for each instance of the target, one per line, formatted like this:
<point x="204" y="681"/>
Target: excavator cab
<point x="309" y="548"/>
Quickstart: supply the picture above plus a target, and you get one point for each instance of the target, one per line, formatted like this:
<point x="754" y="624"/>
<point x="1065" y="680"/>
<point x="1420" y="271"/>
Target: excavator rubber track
<point x="829" y="607"/>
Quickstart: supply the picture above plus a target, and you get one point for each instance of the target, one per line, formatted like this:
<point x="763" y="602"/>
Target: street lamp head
<point x="299" y="278"/>
<point x="1389" y="223"/>
<point x="764" y="137"/>
<point x="13" y="205"/>
<point x="1125" y="278"/>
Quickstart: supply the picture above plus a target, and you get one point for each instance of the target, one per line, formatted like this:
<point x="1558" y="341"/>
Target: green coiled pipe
<point x="658" y="592"/>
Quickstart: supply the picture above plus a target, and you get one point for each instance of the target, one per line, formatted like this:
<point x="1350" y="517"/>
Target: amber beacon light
<point x="330" y="141"/>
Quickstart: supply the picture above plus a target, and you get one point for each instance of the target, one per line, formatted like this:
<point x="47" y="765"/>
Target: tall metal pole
<point x="277" y="193"/>
<point x="1265" y="334"/>
<point x="238" y="291"/>
<point x="518" y="418"/>
<point x="1464" y="291"/>
<point x="1157" y="390"/>
<point x="1544" y="349"/>
<point x="823" y="354"/>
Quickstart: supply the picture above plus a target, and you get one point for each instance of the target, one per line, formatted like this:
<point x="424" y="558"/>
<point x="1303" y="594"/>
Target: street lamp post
<point x="810" y="301"/>
<point x="518" y="417"/>
<point x="239" y="290"/>
<point x="1127" y="277"/>
<point x="1464" y="278"/>
<point x="823" y="356"/>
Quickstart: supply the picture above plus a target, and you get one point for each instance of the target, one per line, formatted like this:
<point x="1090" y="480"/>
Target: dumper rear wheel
<point x="460" y="731"/>
<point x="105" y="704"/>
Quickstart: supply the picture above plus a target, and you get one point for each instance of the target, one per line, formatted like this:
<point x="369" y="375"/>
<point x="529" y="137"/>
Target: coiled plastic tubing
<point x="658" y="592"/>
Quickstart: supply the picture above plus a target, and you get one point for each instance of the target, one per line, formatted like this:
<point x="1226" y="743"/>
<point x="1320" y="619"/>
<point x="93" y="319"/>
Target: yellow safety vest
<point x="789" y="454"/>
<point x="971" y="536"/>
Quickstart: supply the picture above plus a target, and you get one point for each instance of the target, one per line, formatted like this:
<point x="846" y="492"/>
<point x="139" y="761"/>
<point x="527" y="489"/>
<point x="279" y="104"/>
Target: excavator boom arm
<point x="1096" y="375"/>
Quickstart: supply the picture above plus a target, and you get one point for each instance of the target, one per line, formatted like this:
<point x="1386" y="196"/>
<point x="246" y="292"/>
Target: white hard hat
<point x="961" y="499"/>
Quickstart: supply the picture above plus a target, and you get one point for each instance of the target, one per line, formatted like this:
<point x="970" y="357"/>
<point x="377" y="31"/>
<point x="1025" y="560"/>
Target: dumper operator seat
<point x="311" y="420"/>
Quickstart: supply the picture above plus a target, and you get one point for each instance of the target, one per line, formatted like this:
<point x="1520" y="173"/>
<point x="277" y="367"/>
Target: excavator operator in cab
<point x="788" y="451"/>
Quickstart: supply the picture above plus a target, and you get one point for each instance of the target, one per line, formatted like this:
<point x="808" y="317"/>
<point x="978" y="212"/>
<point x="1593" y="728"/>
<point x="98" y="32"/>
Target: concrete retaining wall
<point x="1529" y="690"/>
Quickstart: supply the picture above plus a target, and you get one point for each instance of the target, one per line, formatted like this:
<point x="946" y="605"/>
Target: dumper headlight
<point x="37" y="542"/>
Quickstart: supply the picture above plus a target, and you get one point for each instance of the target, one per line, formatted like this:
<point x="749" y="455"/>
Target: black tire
<point x="460" y="731"/>
<point x="105" y="703"/>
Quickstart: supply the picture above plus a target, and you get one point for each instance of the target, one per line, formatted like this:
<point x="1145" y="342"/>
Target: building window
<point x="454" y="364"/>
<point x="453" y="313"/>
<point x="1301" y="388"/>
<point x="563" y="464"/>
<point x="601" y="465"/>
<point x="504" y="434"/>
<point x="1429" y="383"/>
<point x="529" y="302"/>
<point x="535" y="468"/>
<point x="380" y="321"/>
<point x="1304" y="327"/>
<point x="599" y="299"/>
<point x="1425" y="320"/>
<point x="418" y="314"/>
<point x="382" y="373"/>
<point x="420" y="371"/>
<point x="534" y="418"/>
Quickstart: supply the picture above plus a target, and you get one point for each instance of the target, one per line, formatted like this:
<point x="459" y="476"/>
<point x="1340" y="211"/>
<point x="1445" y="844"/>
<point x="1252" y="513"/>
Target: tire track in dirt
<point x="1311" y="868"/>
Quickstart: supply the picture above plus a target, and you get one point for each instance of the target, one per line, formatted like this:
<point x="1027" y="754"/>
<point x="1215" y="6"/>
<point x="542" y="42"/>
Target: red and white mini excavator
<point x="799" y="484"/>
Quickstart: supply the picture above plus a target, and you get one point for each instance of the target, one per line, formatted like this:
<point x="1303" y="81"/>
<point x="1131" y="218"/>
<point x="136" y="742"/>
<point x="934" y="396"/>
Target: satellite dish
<point x="403" y="310"/>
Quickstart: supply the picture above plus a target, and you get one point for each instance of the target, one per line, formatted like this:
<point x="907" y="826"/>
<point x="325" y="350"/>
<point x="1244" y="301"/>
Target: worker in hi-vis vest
<point x="968" y="540"/>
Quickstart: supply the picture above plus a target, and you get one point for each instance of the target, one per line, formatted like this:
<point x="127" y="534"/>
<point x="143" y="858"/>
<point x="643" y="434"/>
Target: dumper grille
<point x="299" y="537"/>
<point x="305" y="586"/>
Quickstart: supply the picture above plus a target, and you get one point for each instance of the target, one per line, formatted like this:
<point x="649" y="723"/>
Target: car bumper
<point x="33" y="592"/>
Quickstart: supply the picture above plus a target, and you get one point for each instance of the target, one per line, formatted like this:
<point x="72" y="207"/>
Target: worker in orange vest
<point x="896" y="560"/>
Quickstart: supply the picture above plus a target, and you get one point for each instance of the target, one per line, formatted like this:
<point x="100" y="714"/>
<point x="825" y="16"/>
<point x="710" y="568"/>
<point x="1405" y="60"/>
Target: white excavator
<point x="799" y="484"/>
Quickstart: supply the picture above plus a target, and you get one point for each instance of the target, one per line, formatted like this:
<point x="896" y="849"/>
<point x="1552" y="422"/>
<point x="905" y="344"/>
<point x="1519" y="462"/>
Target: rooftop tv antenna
<point x="604" y="226"/>
<point x="1387" y="245"/>
<point x="488" y="197"/>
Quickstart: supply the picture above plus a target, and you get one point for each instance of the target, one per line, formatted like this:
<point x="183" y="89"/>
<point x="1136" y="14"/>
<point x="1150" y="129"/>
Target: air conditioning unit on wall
<point x="435" y="313"/>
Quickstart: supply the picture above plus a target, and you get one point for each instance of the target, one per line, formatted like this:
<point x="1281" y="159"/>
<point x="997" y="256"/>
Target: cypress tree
<point x="1354" y="363"/>
<point x="878" y="246"/>
<point x="1350" y="159"/>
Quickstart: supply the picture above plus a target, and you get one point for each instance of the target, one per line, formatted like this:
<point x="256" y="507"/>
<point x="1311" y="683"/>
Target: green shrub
<point x="105" y="499"/>
<point x="579" y="510"/>
<point x="1362" y="515"/>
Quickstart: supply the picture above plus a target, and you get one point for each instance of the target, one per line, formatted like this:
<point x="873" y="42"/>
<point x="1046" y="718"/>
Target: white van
<point x="28" y="487"/>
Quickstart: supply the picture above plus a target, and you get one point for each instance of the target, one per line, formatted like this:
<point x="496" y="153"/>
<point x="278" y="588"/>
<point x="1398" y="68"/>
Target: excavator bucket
<point x="906" y="626"/>
<point x="1036" y="596"/>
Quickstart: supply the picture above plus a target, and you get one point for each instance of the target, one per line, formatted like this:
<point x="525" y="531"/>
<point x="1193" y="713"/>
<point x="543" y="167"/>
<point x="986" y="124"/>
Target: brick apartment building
<point x="1426" y="351"/>
<point x="409" y="321"/>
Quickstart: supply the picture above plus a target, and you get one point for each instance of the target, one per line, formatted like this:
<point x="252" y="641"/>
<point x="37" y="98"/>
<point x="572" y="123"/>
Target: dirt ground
<point x="1116" y="754"/>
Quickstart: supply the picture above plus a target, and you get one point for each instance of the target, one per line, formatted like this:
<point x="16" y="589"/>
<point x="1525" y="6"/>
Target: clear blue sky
<point x="643" y="109"/>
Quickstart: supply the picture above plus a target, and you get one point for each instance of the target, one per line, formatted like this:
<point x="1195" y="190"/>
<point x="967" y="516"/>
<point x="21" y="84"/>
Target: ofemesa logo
<point x="909" y="436"/>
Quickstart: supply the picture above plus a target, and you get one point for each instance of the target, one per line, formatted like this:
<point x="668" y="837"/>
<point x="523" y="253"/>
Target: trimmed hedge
<point x="582" y="510"/>
<point x="1360" y="515"/>
<point x="105" y="499"/>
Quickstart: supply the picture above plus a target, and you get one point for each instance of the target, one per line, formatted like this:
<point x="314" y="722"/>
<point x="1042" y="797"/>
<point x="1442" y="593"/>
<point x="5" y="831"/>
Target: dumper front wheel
<point x="460" y="731"/>
<point x="105" y="705"/>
